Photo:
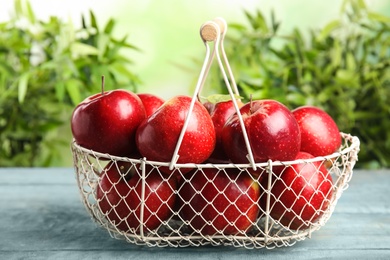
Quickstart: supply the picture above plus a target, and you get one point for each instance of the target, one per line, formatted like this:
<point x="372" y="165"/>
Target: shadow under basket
<point x="176" y="231"/>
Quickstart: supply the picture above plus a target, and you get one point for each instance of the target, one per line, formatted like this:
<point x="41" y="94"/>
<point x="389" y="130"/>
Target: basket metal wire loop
<point x="98" y="186"/>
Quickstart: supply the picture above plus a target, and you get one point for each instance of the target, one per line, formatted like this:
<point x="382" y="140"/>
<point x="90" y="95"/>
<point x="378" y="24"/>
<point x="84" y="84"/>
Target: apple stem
<point x="103" y="85"/>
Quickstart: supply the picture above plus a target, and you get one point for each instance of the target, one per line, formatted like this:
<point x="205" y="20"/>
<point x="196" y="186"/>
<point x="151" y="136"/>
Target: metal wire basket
<point x="133" y="209"/>
<point x="174" y="231"/>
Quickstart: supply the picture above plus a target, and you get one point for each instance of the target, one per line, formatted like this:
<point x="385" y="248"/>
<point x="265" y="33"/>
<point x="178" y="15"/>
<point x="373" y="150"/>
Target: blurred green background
<point x="162" y="54"/>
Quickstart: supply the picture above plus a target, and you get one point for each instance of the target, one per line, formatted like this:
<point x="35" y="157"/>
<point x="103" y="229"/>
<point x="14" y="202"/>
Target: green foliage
<point x="342" y="68"/>
<point x="46" y="68"/>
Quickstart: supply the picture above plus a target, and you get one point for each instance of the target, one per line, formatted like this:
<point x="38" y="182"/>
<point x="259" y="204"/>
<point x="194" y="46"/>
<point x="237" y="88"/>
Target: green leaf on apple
<point x="216" y="98"/>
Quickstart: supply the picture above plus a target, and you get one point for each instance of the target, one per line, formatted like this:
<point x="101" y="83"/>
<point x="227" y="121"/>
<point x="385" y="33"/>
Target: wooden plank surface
<point x="42" y="217"/>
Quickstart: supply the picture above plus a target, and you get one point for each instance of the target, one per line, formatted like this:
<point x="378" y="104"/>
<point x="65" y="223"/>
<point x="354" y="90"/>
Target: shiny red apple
<point x="107" y="122"/>
<point x="158" y="135"/>
<point x="301" y="194"/>
<point x="220" y="113"/>
<point x="151" y="102"/>
<point x="119" y="196"/>
<point x="320" y="134"/>
<point x="272" y="130"/>
<point x="219" y="201"/>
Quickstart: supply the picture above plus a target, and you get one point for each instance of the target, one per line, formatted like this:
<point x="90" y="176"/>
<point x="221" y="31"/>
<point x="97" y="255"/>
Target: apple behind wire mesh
<point x="214" y="31"/>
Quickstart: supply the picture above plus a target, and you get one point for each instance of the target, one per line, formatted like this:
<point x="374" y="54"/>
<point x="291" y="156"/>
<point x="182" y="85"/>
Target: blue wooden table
<point x="42" y="217"/>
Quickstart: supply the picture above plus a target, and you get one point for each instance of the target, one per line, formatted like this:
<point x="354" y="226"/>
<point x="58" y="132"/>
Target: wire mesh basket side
<point x="176" y="230"/>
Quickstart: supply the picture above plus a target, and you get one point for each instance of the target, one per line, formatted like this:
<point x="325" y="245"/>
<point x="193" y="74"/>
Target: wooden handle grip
<point x="209" y="31"/>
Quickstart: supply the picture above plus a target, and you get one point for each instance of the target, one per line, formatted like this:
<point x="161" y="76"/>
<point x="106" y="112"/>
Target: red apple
<point x="157" y="136"/>
<point x="119" y="197"/>
<point x="151" y="102"/>
<point x="272" y="130"/>
<point x="107" y="122"/>
<point x="209" y="106"/>
<point x="220" y="113"/>
<point x="301" y="194"/>
<point x="219" y="201"/>
<point x="320" y="135"/>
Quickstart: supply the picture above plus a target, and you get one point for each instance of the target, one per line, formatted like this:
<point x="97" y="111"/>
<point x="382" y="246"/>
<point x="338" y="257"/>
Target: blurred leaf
<point x="18" y="8"/>
<point x="30" y="13"/>
<point x="109" y="26"/>
<point x="330" y="27"/>
<point x="378" y="17"/>
<point x="78" y="48"/>
<point x="119" y="68"/>
<point x="93" y="21"/>
<point x="103" y="41"/>
<point x="124" y="43"/>
<point x="350" y="62"/>
<point x="60" y="90"/>
<point x="296" y="97"/>
<point x="83" y="23"/>
<point x="236" y="26"/>
<point x="73" y="89"/>
<point x="336" y="54"/>
<point x="275" y="25"/>
<point x="22" y="86"/>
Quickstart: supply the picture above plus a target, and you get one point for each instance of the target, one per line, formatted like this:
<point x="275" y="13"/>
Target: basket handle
<point x="214" y="31"/>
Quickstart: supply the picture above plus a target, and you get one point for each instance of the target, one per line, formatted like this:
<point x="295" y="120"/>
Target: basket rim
<point x="354" y="145"/>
